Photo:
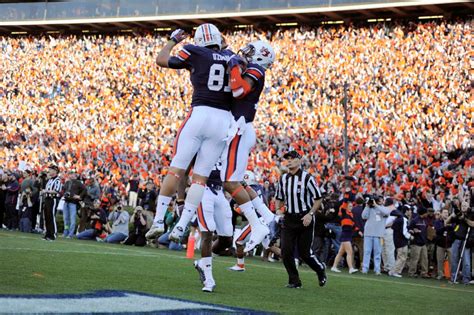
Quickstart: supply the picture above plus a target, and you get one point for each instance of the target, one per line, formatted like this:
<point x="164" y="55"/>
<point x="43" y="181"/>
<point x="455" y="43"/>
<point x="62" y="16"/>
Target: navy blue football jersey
<point x="209" y="76"/>
<point x="247" y="106"/>
<point x="214" y="178"/>
<point x="258" y="189"/>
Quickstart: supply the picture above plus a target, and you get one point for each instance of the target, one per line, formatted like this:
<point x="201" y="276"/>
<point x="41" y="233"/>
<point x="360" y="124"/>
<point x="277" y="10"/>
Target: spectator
<point x="418" y="249"/>
<point x="132" y="190"/>
<point x="374" y="230"/>
<point x="444" y="241"/>
<point x="147" y="197"/>
<point x="347" y="224"/>
<point x="119" y="218"/>
<point x="137" y="235"/>
<point x="26" y="210"/>
<point x="11" y="188"/>
<point x="3" y="189"/>
<point x="74" y="192"/>
<point x="97" y="219"/>
<point x="401" y="236"/>
<point x="464" y="223"/>
<point x="388" y="248"/>
<point x="171" y="218"/>
<point x="358" y="238"/>
<point x="93" y="194"/>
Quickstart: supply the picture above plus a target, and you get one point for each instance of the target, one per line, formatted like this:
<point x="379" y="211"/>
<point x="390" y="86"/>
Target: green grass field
<point x="29" y="265"/>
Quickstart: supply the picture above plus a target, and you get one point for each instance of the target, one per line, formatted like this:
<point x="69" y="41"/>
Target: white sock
<point x="249" y="211"/>
<point x="240" y="261"/>
<point x="188" y="213"/>
<point x="263" y="210"/>
<point x="206" y="265"/>
<point x="194" y="195"/>
<point x="161" y="206"/>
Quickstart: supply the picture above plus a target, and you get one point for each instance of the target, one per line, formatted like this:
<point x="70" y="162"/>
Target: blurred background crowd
<point x="99" y="108"/>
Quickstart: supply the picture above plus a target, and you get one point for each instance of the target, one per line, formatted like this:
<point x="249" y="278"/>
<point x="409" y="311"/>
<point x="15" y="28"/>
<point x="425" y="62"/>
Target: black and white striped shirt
<point x="54" y="184"/>
<point x="298" y="191"/>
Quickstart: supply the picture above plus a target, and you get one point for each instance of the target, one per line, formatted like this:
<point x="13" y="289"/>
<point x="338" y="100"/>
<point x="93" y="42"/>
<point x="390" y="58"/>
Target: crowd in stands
<point x="99" y="105"/>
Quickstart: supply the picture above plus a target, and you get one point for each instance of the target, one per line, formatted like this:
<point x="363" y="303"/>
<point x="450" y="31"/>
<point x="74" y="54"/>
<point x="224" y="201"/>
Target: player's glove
<point x="235" y="60"/>
<point x="178" y="35"/>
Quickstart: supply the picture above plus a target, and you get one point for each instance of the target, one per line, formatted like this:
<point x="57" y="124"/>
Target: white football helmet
<point x="207" y="35"/>
<point x="259" y="52"/>
<point x="249" y="178"/>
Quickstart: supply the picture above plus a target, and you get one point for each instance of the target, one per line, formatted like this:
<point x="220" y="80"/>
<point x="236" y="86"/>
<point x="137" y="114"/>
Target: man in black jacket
<point x="74" y="192"/>
<point x="444" y="240"/>
<point x="400" y="240"/>
<point x="464" y="224"/>
<point x="418" y="249"/>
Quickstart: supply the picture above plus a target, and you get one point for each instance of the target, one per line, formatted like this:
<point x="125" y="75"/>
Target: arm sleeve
<point x="365" y="213"/>
<point x="279" y="191"/>
<point x="177" y="63"/>
<point x="313" y="188"/>
<point x="254" y="73"/>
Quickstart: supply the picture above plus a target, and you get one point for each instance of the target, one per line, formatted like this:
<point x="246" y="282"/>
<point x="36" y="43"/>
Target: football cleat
<point x="176" y="234"/>
<point x="209" y="286"/>
<point x="256" y="237"/>
<point x="156" y="230"/>
<point x="237" y="268"/>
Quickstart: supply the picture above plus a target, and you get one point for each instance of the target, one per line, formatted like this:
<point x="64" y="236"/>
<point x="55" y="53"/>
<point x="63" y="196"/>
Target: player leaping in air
<point x="247" y="82"/>
<point x="202" y="134"/>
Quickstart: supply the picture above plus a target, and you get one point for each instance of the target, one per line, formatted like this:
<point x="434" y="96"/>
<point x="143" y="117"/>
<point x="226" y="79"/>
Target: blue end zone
<point x="198" y="307"/>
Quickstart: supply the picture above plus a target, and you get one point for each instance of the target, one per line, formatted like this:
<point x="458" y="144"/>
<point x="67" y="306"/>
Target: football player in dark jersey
<point x="247" y="88"/>
<point x="202" y="135"/>
<point x="247" y="76"/>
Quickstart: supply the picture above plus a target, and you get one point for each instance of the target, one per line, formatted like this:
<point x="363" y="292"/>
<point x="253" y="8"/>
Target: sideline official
<point x="51" y="195"/>
<point x="302" y="198"/>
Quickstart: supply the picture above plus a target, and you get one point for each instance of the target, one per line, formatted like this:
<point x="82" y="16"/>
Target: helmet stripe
<point x="207" y="36"/>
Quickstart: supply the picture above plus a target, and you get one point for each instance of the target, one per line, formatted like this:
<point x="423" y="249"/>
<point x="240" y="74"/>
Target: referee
<point x="302" y="198"/>
<point x="51" y="195"/>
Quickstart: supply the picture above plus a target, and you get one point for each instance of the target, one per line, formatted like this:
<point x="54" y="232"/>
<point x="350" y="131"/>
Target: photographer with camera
<point x="74" y="192"/>
<point x="374" y="230"/>
<point x="137" y="235"/>
<point x="97" y="220"/>
<point x="119" y="230"/>
<point x="463" y="218"/>
<point x="26" y="210"/>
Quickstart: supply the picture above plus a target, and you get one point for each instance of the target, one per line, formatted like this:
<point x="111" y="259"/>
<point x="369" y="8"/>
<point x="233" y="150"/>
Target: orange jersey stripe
<point x="255" y="73"/>
<point x="232" y="157"/>
<point x="201" y="217"/>
<point x="183" y="55"/>
<point x="244" y="234"/>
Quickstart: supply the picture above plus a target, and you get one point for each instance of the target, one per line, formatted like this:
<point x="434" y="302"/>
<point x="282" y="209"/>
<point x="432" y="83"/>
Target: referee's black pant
<point x="49" y="212"/>
<point x="295" y="235"/>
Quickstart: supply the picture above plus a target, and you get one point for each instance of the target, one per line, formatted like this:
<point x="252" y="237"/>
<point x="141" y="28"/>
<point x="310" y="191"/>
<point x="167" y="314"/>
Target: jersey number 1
<point x="216" y="78"/>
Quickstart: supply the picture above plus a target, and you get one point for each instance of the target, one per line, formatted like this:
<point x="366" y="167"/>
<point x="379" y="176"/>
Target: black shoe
<point x="294" y="286"/>
<point x="323" y="280"/>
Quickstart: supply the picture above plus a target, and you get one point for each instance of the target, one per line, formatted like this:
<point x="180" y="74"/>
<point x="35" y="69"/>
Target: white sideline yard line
<point x="225" y="262"/>
<point x="93" y="244"/>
